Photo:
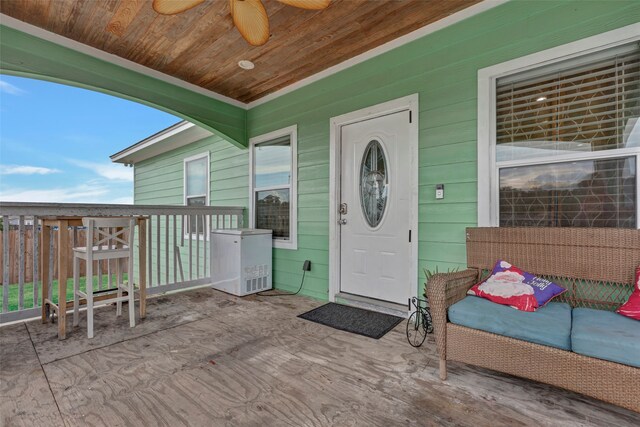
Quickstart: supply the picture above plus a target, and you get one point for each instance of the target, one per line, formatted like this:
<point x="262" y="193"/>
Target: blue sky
<point x="55" y="142"/>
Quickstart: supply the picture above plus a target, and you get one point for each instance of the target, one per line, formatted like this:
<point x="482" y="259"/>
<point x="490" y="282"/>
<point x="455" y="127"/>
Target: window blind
<point x="589" y="107"/>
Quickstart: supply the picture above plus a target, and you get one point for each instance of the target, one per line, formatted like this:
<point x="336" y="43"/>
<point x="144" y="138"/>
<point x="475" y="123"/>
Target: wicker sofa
<point x="595" y="265"/>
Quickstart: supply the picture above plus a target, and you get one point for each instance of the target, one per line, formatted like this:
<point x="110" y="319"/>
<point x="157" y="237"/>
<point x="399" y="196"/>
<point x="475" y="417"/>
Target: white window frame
<point x="205" y="155"/>
<point x="292" y="132"/>
<point x="488" y="182"/>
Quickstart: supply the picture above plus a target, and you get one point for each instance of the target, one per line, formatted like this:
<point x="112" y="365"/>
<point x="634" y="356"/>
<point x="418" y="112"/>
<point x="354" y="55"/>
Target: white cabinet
<point x="241" y="260"/>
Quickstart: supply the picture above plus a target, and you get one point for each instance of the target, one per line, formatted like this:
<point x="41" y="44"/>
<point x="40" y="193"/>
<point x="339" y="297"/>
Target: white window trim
<point x="292" y="132"/>
<point x="488" y="185"/>
<point x="184" y="188"/>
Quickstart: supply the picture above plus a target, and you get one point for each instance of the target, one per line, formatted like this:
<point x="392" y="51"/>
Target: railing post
<point x="197" y="246"/>
<point x="158" y="259"/>
<point x="190" y="247"/>
<point x="36" y="258"/>
<point x="150" y="250"/>
<point x="175" y="249"/>
<point x="142" y="267"/>
<point x="45" y="249"/>
<point x="6" y="227"/>
<point x="166" y="248"/>
<point x="21" y="262"/>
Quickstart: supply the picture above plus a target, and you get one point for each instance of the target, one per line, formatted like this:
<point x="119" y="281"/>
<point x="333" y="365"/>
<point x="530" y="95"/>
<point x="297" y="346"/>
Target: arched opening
<point x="28" y="56"/>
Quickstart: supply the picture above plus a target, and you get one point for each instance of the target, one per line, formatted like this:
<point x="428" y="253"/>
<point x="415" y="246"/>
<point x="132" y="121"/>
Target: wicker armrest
<point x="443" y="290"/>
<point x="449" y="288"/>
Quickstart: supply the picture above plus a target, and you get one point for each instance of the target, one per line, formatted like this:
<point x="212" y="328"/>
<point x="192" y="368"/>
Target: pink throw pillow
<point x="631" y="308"/>
<point x="508" y="285"/>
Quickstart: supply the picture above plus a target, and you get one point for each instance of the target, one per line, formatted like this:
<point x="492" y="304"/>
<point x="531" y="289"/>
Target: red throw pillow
<point x="508" y="285"/>
<point x="631" y="308"/>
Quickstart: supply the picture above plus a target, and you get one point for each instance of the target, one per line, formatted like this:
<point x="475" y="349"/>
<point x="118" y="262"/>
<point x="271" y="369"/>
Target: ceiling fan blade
<point x="250" y="18"/>
<point x="307" y="4"/>
<point x="171" y="7"/>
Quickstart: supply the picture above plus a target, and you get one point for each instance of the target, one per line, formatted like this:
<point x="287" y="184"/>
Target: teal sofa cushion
<point x="606" y="335"/>
<point x="549" y="325"/>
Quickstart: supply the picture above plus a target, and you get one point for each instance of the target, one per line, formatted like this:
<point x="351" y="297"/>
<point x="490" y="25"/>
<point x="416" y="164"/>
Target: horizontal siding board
<point x="454" y="153"/>
<point x="308" y="214"/>
<point x="316" y="173"/>
<point x="448" y="115"/>
<point x="440" y="211"/>
<point x="449" y="134"/>
<point x="447" y="251"/>
<point x="439" y="174"/>
<point x="313" y="186"/>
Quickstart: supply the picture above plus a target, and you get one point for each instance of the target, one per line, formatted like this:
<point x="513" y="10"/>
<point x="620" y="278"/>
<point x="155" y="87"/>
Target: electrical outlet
<point x="306" y="266"/>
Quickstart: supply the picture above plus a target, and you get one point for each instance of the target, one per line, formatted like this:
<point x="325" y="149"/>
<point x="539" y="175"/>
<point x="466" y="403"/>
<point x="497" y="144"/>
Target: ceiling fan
<point x="249" y="16"/>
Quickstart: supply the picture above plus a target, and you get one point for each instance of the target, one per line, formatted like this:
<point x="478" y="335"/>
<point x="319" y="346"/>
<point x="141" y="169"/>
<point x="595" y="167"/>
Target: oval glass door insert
<point x="374" y="183"/>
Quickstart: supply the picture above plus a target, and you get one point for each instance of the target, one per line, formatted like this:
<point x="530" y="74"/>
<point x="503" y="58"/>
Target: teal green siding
<point x="442" y="68"/>
<point x="161" y="180"/>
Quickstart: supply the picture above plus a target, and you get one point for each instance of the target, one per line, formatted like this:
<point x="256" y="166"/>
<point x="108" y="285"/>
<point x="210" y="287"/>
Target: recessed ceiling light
<point x="542" y="98"/>
<point x="246" y="64"/>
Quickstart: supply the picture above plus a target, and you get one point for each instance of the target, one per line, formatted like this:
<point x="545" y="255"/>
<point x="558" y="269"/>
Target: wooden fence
<point x="76" y="238"/>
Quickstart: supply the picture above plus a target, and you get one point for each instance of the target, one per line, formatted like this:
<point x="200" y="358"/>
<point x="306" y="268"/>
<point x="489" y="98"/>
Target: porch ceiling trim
<point x="114" y="59"/>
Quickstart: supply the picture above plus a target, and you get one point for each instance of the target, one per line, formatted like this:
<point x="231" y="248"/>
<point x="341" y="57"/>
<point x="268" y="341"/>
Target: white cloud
<point x="25" y="170"/>
<point x="77" y="194"/>
<point x="122" y="201"/>
<point x="6" y="87"/>
<point x="110" y="171"/>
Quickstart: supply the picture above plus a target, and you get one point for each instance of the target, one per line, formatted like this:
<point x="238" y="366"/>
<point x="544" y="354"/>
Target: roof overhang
<point x="176" y="136"/>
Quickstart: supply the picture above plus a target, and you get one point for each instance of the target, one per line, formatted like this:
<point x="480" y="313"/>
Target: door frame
<point x="407" y="103"/>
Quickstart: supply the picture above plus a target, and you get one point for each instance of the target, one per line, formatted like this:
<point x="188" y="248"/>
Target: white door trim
<point x="407" y="103"/>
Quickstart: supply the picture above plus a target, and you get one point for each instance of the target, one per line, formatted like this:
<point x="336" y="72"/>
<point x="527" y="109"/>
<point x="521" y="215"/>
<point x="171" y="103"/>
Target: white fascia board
<point x="176" y="136"/>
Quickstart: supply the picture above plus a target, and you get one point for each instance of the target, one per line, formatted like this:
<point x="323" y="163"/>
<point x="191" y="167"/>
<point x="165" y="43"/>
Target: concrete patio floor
<point x="205" y="358"/>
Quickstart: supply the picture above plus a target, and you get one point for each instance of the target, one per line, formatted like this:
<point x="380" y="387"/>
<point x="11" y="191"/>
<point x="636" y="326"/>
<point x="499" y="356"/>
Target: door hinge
<point x="409" y="236"/>
<point x="410" y="117"/>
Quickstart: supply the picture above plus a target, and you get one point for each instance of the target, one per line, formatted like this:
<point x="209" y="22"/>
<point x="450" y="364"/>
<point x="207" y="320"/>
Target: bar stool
<point x="110" y="234"/>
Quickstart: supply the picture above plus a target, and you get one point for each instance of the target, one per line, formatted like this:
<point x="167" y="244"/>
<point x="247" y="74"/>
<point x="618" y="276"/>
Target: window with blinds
<point x="568" y="143"/>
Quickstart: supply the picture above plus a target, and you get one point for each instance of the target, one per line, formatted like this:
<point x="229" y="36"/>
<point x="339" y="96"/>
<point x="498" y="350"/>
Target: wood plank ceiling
<point x="201" y="46"/>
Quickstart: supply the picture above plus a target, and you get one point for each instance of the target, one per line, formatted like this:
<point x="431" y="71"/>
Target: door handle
<point x="342" y="221"/>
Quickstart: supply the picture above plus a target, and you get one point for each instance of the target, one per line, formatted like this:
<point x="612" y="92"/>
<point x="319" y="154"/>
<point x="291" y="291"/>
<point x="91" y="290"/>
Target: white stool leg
<point x="76" y="288"/>
<point x="118" y="285"/>
<point x="132" y="299"/>
<point x="89" y="299"/>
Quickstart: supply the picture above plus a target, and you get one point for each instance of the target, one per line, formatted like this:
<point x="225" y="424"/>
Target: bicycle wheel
<point x="416" y="331"/>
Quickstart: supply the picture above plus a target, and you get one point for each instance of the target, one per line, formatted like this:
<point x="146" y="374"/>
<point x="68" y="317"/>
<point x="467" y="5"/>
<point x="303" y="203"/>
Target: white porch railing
<point x="176" y="256"/>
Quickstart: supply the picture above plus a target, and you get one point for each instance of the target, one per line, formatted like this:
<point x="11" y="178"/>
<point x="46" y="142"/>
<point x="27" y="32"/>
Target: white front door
<point x="375" y="208"/>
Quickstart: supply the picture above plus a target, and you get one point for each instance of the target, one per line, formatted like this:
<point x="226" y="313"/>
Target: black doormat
<point x="353" y="319"/>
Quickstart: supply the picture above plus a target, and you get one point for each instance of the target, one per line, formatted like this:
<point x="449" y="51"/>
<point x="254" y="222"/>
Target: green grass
<point x="28" y="291"/>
